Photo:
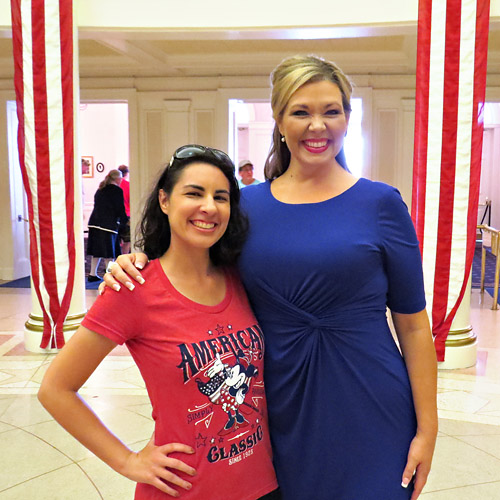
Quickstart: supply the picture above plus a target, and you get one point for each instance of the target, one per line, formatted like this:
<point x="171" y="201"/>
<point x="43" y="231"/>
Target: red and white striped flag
<point x="451" y="82"/>
<point x="42" y="33"/>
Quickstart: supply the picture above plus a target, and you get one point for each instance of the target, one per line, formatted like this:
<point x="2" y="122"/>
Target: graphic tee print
<point x="203" y="369"/>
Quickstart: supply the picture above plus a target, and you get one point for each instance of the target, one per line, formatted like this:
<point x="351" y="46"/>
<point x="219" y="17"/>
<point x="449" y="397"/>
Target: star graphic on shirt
<point x="221" y="440"/>
<point x="220" y="329"/>
<point x="200" y="440"/>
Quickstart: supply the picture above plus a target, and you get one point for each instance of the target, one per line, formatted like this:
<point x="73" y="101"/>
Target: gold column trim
<point x="460" y="332"/>
<point x="68" y="318"/>
<point x="38" y="328"/>
<point x="452" y="341"/>
<point x="71" y="323"/>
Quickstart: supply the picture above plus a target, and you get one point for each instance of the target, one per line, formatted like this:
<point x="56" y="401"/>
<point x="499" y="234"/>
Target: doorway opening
<point x="18" y="201"/>
<point x="489" y="193"/>
<point x="104" y="145"/>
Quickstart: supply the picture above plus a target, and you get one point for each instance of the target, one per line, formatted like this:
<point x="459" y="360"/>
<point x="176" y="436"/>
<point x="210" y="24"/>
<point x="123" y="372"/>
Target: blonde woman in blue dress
<point x="352" y="416"/>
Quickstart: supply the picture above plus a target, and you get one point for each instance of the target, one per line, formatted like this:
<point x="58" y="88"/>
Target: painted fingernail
<point x="405" y="483"/>
<point x="140" y="279"/>
<point x="139" y="265"/>
<point x="129" y="285"/>
<point x="116" y="287"/>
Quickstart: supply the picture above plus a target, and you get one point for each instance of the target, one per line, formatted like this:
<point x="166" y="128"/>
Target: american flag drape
<point x="42" y="33"/>
<point x="451" y="82"/>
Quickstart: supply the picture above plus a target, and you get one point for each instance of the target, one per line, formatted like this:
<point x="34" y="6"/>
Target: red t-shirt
<point x="203" y="369"/>
<point x="125" y="185"/>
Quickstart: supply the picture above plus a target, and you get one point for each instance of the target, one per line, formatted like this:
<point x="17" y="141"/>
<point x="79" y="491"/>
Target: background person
<point x="351" y="417"/>
<point x="125" y="185"/>
<point x="105" y="221"/>
<point x="200" y="352"/>
<point x="125" y="230"/>
<point x="245" y="169"/>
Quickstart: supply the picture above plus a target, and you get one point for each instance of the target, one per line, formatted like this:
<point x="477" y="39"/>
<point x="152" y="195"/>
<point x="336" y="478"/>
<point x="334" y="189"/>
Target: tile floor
<point x="39" y="461"/>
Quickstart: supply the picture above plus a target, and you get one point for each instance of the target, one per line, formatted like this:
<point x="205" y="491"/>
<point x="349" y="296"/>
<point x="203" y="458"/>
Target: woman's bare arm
<point x="417" y="347"/>
<point x="59" y="395"/>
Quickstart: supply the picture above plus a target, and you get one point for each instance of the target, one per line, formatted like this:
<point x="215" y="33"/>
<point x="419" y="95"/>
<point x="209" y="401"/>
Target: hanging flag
<point x="42" y="35"/>
<point x="451" y="82"/>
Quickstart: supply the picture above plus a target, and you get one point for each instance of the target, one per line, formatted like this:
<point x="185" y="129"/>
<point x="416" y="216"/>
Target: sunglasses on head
<point x="191" y="150"/>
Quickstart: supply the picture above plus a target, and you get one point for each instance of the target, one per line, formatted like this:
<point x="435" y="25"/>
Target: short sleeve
<point x="401" y="255"/>
<point x="114" y="315"/>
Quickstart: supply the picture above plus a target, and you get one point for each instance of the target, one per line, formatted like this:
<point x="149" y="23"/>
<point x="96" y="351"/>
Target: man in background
<point x="245" y="170"/>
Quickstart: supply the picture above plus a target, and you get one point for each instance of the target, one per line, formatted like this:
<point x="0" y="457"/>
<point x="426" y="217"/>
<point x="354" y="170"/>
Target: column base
<point x="33" y="332"/>
<point x="461" y="350"/>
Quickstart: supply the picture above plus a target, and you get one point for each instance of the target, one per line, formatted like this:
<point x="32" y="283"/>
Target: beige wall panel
<point x="177" y="120"/>
<point x="386" y="138"/>
<point x="204" y="124"/>
<point x="154" y="155"/>
<point x="392" y="134"/>
<point x="404" y="171"/>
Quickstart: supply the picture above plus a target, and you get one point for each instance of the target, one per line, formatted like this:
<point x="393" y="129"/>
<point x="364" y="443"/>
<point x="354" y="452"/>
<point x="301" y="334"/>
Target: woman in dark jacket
<point x="105" y="221"/>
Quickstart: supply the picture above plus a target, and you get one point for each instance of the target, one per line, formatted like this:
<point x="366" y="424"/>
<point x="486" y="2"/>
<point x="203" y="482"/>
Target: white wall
<point x="6" y="216"/>
<point x="490" y="186"/>
<point x="332" y="18"/>
<point x="259" y="13"/>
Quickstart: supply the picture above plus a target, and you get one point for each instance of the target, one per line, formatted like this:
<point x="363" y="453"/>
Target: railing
<point x="490" y="239"/>
<point x="486" y="212"/>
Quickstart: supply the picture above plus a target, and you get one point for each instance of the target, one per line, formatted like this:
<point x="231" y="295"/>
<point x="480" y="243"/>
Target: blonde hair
<point x="291" y="74"/>
<point x="111" y="176"/>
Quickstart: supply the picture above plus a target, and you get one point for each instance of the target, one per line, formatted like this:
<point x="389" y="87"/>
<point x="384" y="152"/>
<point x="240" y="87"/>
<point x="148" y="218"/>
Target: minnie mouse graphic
<point x="227" y="387"/>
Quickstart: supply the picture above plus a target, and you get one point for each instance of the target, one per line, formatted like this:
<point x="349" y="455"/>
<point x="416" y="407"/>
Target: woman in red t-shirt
<point x="200" y="351"/>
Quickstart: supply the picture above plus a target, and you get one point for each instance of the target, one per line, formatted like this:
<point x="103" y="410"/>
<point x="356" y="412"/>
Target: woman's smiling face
<point x="198" y="207"/>
<point x="314" y="124"/>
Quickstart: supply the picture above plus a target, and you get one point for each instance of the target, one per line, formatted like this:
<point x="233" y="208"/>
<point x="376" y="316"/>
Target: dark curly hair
<point x="153" y="232"/>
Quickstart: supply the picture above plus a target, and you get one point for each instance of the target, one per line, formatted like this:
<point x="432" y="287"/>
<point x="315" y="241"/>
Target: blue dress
<point x="319" y="277"/>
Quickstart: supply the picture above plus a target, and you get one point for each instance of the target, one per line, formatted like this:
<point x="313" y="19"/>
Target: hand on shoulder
<point x="126" y="271"/>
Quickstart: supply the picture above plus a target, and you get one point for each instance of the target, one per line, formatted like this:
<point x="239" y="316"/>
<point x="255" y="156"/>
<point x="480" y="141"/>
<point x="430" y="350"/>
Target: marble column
<point x="33" y="328"/>
<point x="461" y="344"/>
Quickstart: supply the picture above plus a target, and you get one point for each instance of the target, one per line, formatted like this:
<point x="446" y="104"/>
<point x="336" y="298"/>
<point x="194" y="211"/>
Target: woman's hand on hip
<point x="124" y="270"/>
<point x="152" y="465"/>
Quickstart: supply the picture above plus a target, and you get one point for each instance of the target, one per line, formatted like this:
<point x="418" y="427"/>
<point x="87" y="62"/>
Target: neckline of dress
<point x="315" y="202"/>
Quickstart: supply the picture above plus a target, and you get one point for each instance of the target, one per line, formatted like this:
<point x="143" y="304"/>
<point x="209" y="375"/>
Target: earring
<point x="283" y="138"/>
